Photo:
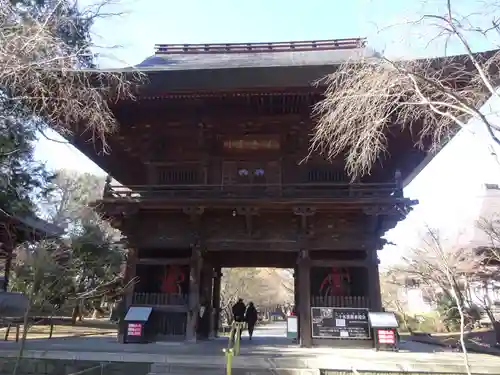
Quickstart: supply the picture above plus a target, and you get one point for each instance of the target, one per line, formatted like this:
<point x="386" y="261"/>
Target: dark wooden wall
<point x="267" y="230"/>
<point x="183" y="144"/>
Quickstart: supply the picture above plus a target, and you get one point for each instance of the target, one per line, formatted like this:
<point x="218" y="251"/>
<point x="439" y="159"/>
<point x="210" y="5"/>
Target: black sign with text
<point x="340" y="323"/>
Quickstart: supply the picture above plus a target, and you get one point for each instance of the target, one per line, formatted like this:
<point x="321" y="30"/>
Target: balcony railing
<point x="253" y="191"/>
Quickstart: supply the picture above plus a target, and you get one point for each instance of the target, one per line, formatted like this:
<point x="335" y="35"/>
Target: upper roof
<point x="198" y="68"/>
<point x="251" y="55"/>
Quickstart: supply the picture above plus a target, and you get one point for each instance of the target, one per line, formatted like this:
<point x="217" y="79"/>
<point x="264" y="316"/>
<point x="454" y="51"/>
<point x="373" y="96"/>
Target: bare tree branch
<point x="367" y="100"/>
<point x="39" y="73"/>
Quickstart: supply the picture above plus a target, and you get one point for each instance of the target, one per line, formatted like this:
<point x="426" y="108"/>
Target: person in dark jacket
<point x="251" y="318"/>
<point x="239" y="312"/>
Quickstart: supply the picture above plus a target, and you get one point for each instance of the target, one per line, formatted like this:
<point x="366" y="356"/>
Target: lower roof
<point x="163" y="82"/>
<point x="33" y="224"/>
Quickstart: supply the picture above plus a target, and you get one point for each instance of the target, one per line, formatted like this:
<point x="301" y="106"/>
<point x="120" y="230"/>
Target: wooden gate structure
<point x="210" y="157"/>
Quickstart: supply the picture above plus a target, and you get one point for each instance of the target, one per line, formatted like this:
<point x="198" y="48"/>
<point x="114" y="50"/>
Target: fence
<point x="159" y="299"/>
<point x="359" y="302"/>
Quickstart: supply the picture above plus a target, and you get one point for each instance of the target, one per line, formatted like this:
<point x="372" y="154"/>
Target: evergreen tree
<point x="22" y="179"/>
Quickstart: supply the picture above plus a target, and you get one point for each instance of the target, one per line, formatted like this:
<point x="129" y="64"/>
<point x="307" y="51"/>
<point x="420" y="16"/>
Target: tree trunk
<point x="495" y="324"/>
<point x="496" y="327"/>
<point x="76" y="314"/>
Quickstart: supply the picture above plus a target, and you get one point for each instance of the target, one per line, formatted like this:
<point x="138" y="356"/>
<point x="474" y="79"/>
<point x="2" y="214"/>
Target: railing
<point x="159" y="299"/>
<point x="311" y="45"/>
<point x="233" y="346"/>
<point x="358" y="302"/>
<point x="252" y="191"/>
<point x="169" y="317"/>
<point x="169" y="323"/>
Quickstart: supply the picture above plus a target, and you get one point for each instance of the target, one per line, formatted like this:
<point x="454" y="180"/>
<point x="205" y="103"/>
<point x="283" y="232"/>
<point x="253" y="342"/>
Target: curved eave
<point x="36" y="228"/>
<point x="204" y="77"/>
<point x="245" y="79"/>
<point x="116" y="161"/>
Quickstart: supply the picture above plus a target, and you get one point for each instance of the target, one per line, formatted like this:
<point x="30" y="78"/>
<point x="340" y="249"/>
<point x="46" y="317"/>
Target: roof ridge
<point x="260" y="47"/>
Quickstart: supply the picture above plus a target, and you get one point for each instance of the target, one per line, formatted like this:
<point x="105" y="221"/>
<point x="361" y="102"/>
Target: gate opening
<point x="271" y="290"/>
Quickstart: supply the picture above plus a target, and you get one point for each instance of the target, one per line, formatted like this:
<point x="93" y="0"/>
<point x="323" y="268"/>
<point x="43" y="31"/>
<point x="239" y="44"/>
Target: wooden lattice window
<point x="325" y="174"/>
<point x="178" y="175"/>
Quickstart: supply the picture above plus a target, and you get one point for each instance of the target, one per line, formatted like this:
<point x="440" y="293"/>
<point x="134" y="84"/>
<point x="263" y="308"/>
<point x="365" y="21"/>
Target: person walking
<point x="251" y="318"/>
<point x="239" y="312"/>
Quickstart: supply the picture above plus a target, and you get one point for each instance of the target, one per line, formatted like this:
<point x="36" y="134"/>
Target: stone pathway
<point x="270" y="350"/>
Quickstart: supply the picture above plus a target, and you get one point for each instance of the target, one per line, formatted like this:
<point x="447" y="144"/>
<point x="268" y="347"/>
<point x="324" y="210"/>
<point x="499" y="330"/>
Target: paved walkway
<point x="270" y="337"/>
<point x="270" y="349"/>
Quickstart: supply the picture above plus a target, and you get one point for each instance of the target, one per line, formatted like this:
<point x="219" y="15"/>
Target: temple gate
<point x="211" y="158"/>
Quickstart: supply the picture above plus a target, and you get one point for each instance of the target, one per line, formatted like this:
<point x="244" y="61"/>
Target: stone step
<point x="235" y="371"/>
<point x="324" y="366"/>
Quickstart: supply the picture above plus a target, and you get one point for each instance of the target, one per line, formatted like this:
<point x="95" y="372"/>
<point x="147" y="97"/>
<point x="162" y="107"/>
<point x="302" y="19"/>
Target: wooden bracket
<point x="379" y="210"/>
<point x="303" y="257"/>
<point x="304" y="213"/>
<point x="124" y="210"/>
<point x="195" y="213"/>
<point x="249" y="213"/>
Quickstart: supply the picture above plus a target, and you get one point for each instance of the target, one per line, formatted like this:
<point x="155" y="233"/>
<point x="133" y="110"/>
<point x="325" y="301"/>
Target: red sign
<point x="386" y="336"/>
<point x="134" y="329"/>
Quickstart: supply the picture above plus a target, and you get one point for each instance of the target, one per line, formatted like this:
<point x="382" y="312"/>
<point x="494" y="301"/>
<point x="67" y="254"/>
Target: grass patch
<point x="78" y="330"/>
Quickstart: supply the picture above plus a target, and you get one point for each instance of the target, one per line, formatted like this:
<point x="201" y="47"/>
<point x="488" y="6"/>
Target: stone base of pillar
<point x="120" y="338"/>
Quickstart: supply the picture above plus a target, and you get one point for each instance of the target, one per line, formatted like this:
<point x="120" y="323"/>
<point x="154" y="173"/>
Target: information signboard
<point x="292" y="327"/>
<point x="134" y="329"/>
<point x="383" y="320"/>
<point x="138" y="314"/>
<point x="340" y="323"/>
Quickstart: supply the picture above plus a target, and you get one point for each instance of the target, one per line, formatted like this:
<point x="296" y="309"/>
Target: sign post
<point x="136" y="324"/>
<point x="292" y="327"/>
<point x="340" y="323"/>
<point x="385" y="327"/>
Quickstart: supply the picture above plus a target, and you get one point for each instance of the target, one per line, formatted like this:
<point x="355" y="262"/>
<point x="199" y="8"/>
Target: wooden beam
<point x="252" y="245"/>
<point x="164" y="261"/>
<point x="339" y="263"/>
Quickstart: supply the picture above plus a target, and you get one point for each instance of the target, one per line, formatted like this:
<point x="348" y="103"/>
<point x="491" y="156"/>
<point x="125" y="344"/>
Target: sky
<point x="450" y="187"/>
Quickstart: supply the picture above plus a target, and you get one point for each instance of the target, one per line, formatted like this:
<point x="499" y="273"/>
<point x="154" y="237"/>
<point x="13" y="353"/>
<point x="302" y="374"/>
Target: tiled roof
<point x="37" y="224"/>
<point x="252" y="55"/>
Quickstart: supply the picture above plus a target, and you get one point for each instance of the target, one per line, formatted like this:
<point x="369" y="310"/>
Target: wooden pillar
<point x="194" y="293"/>
<point x="374" y="281"/>
<point x="205" y="328"/>
<point x="195" y="269"/>
<point x="216" y="300"/>
<point x="374" y="225"/>
<point x="129" y="275"/>
<point x="7" y="242"/>
<point x="296" y="287"/>
<point x="8" y="266"/>
<point x="296" y="296"/>
<point x="304" y="297"/>
<point x="304" y="271"/>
